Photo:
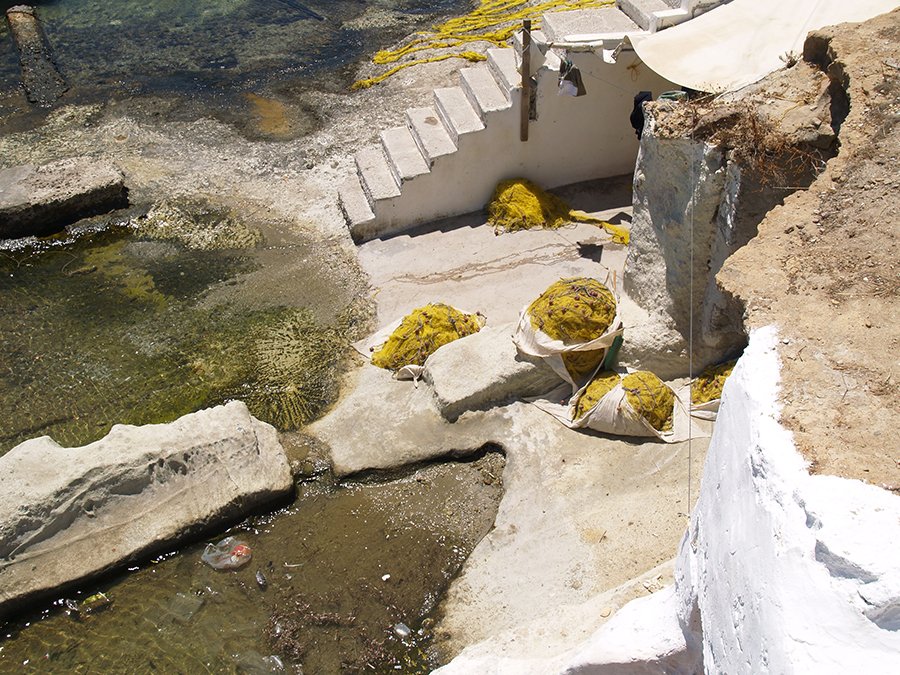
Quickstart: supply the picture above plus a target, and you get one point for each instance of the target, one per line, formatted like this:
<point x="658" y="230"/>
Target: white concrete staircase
<point x="429" y="135"/>
<point x="446" y="157"/>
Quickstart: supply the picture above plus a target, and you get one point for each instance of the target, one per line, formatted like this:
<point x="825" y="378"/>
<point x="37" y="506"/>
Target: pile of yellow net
<point x="574" y="310"/>
<point x="650" y="398"/>
<point x="421" y="333"/>
<point x="603" y="383"/>
<point x="519" y="204"/>
<point x="493" y="21"/>
<point x="708" y="386"/>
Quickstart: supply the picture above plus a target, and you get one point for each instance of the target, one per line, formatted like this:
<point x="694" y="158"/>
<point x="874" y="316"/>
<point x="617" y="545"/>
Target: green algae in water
<point x="115" y="329"/>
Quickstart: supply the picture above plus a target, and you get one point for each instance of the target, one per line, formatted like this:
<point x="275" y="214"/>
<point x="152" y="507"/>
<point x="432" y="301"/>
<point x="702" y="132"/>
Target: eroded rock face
<point x="41" y="200"/>
<point x="68" y="514"/>
<point x="706" y="176"/>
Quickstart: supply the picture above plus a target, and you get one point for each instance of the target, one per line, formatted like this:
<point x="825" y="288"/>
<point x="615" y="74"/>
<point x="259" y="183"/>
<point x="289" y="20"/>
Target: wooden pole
<point x="526" y="78"/>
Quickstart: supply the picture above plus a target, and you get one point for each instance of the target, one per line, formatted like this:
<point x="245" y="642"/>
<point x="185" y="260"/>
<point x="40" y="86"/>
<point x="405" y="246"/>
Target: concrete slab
<point x="483" y="91"/>
<point x="457" y="112"/>
<point x="354" y="203"/>
<point x="375" y="175"/>
<point x="641" y="11"/>
<point x="502" y="62"/>
<point x="430" y="133"/>
<point x="460" y="261"/>
<point x="558" y="25"/>
<point x="403" y="155"/>
<point x="41" y="200"/>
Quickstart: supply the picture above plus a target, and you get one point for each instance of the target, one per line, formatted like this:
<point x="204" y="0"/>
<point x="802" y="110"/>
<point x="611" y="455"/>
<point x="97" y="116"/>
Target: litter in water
<point x="228" y="554"/>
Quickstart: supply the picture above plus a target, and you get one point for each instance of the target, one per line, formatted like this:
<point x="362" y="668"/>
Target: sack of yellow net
<point x="571" y="326"/>
<point x="636" y="404"/>
<point x="421" y="333"/>
<point x="706" y="390"/>
<point x="519" y="204"/>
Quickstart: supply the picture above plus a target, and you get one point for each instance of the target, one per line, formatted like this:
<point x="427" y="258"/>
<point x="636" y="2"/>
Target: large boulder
<point x="68" y="514"/>
<point x="485" y="370"/>
<point x="41" y="200"/>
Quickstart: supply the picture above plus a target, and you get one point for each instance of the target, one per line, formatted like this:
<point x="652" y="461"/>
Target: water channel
<point x="118" y="320"/>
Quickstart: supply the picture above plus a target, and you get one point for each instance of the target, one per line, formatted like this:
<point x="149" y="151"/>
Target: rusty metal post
<point x="526" y="78"/>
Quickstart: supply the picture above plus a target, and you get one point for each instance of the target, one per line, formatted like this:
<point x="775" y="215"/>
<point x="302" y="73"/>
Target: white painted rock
<point x="483" y="370"/>
<point x="68" y="514"/>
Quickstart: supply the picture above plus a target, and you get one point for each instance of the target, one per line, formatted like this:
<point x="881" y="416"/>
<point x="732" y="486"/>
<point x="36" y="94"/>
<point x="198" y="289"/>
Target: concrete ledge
<point x="41" y="200"/>
<point x="70" y="514"/>
<point x="484" y="370"/>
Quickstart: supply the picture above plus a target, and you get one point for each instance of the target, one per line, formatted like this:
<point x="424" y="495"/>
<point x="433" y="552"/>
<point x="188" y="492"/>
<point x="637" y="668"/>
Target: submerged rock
<point x="68" y="514"/>
<point x="42" y="82"/>
<point x="41" y="200"/>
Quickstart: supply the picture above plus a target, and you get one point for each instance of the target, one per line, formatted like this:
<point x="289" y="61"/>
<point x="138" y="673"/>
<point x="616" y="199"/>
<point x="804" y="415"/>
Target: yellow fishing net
<point x="650" y="398"/>
<point x="519" y="204"/>
<point x="573" y="310"/>
<point x="581" y="364"/>
<point x="708" y="386"/>
<point x="493" y="21"/>
<point x="421" y="333"/>
<point x="603" y="383"/>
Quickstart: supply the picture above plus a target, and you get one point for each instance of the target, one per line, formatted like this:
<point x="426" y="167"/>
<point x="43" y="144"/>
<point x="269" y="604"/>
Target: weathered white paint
<point x="779" y="571"/>
<point x="572" y="140"/>
<point x="788" y="573"/>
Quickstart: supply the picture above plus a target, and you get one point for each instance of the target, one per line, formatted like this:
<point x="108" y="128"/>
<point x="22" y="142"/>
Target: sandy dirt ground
<point x="824" y="267"/>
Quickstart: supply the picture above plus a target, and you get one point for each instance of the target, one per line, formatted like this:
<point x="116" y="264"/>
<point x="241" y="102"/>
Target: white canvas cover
<point x="740" y="43"/>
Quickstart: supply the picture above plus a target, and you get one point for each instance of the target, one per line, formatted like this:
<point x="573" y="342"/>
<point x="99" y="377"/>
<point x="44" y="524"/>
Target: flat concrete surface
<point x="558" y="25"/>
<point x="461" y="262"/>
<point x="582" y="513"/>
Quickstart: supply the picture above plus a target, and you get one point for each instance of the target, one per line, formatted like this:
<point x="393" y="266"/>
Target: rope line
<point x="691" y="328"/>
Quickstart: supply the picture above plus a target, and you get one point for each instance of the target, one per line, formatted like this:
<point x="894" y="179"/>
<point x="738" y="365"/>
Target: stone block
<point x="41" y="200"/>
<point x="70" y="514"/>
<point x="484" y="370"/>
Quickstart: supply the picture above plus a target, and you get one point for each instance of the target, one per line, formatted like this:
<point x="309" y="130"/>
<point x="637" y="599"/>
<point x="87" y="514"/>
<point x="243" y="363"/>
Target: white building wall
<point x="572" y="140"/>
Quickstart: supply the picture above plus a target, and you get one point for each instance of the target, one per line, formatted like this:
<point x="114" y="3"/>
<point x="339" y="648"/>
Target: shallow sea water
<point x="104" y="324"/>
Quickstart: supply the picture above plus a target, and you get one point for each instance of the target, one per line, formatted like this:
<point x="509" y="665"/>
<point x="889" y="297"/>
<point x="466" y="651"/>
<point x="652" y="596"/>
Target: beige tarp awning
<point x="740" y="43"/>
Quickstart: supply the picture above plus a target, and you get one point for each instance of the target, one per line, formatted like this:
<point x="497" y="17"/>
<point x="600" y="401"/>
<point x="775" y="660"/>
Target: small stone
<point x="385" y="577"/>
<point x="788" y="230"/>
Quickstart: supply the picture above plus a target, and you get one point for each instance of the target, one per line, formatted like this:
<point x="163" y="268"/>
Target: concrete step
<point x="502" y="62"/>
<point x="541" y="54"/>
<point x="429" y="133"/>
<point x="354" y="203"/>
<point x="404" y="157"/>
<point x="641" y="11"/>
<point x="482" y="90"/>
<point x="375" y="175"/>
<point x="456" y="112"/>
<point x="560" y="26"/>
